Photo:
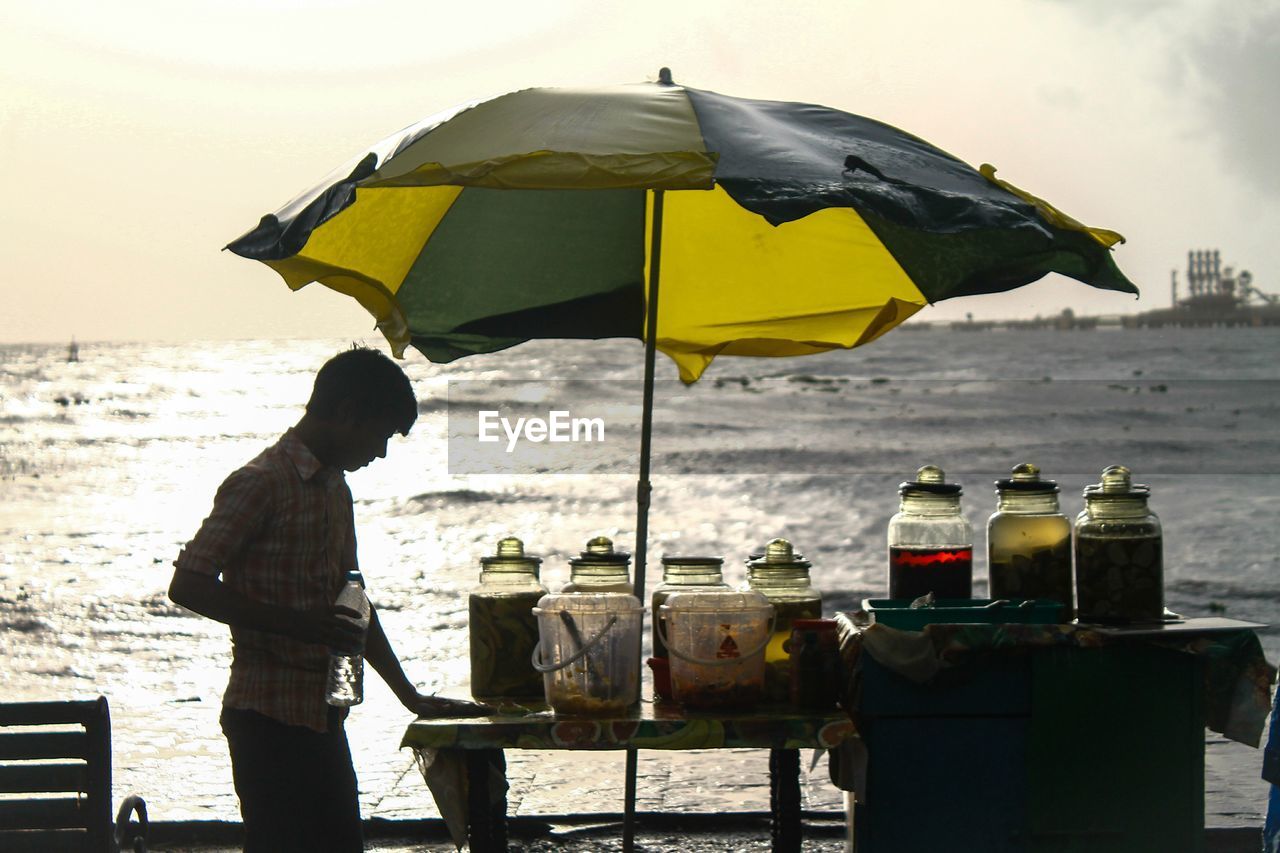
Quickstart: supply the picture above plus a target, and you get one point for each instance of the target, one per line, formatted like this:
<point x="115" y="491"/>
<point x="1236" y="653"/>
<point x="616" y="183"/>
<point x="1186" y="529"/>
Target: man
<point x="269" y="561"/>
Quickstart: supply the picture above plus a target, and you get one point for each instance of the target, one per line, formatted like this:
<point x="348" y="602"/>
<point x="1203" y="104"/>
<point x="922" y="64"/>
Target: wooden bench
<point x="55" y="780"/>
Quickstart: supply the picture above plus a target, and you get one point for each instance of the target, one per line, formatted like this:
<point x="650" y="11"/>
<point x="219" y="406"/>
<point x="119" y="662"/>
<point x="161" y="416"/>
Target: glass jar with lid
<point x="1029" y="541"/>
<point x="1119" y="553"/>
<point x="600" y="569"/>
<point x="680" y="574"/>
<point x="503" y="628"/>
<point x="783" y="576"/>
<point x="930" y="540"/>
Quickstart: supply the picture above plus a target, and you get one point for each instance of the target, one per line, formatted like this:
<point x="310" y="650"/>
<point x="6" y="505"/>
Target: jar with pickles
<point x="1119" y="553"/>
<point x="600" y="569"/>
<point x="783" y="576"/>
<point x="503" y="628"/>
<point x="1029" y="541"/>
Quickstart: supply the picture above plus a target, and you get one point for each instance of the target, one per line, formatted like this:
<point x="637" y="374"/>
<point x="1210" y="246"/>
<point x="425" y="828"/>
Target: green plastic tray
<point x="897" y="612"/>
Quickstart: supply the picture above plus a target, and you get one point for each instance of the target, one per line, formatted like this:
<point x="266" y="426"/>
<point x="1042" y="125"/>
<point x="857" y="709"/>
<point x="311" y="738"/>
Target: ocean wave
<point x="22" y="624"/>
<point x="1224" y="591"/>
<point x="466" y="496"/>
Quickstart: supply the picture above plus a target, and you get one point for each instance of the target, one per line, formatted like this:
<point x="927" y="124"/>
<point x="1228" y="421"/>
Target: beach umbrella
<point x="769" y="229"/>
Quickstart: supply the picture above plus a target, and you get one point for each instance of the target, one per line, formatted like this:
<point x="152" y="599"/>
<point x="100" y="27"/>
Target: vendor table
<point x="1046" y="738"/>
<point x="783" y="731"/>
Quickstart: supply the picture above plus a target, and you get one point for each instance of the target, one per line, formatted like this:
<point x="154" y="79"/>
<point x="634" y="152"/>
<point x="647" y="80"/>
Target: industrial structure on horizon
<point x="1217" y="296"/>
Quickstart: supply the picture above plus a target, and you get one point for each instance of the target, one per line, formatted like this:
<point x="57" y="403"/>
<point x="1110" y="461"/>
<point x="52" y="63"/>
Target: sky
<point x="139" y="137"/>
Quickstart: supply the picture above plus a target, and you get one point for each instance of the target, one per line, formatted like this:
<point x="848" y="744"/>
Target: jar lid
<point x="1117" y="482"/>
<point x="715" y="562"/>
<point x="929" y="480"/>
<point x="714" y="600"/>
<point x="759" y="554"/>
<point x="600" y="553"/>
<point x="590" y="602"/>
<point x="814" y="624"/>
<point x="1026" y="478"/>
<point x="779" y="554"/>
<point x="510" y="554"/>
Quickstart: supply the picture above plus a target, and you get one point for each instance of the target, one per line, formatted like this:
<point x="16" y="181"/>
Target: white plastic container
<point x="716" y="640"/>
<point x="589" y="652"/>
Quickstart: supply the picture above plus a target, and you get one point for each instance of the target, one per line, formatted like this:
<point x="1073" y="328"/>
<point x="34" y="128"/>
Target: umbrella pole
<point x="643" y="489"/>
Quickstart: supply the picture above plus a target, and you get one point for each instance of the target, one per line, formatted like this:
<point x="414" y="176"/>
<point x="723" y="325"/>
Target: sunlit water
<point x="108" y="465"/>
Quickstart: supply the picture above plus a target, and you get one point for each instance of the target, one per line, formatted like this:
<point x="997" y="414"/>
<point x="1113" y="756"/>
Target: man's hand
<point x="438" y="706"/>
<point x="333" y="629"/>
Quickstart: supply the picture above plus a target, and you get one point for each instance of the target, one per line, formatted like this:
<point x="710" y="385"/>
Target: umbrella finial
<point x="664" y="76"/>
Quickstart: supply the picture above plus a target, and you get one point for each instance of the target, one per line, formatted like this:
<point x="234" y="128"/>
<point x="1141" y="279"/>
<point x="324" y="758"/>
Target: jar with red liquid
<point x="930" y="540"/>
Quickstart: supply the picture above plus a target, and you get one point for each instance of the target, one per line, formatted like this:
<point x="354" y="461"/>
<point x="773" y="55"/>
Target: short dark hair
<point x="374" y="383"/>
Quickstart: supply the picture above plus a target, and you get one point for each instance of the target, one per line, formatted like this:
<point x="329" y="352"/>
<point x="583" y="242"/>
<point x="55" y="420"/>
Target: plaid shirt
<point x="282" y="532"/>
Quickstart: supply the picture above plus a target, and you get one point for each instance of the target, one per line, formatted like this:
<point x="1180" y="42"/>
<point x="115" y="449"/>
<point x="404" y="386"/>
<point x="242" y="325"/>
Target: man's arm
<point x="210" y="597"/>
<point x="380" y="655"/>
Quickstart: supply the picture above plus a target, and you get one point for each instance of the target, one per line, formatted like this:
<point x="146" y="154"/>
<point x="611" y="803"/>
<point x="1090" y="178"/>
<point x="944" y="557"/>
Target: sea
<point x="108" y="465"/>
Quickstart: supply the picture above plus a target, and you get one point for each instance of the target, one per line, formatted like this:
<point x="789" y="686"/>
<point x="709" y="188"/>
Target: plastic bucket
<point x="589" y="652"/>
<point x="716" y="640"/>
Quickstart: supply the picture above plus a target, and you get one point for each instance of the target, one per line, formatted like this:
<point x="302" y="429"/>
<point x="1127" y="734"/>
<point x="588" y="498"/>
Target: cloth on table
<point x="1271" y="773"/>
<point x="1238" y="678"/>
<point x="445" y="772"/>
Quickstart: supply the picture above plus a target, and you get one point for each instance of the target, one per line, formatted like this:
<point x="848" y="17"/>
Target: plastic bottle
<point x="817" y="672"/>
<point x="930" y="541"/>
<point x="345" y="684"/>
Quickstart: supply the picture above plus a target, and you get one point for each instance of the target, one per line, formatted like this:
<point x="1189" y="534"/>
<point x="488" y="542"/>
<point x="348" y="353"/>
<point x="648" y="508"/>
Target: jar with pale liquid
<point x="783" y="576"/>
<point x="930" y="540"/>
<point x="600" y="569"/>
<point x="1119" y="550"/>
<point x="504" y="630"/>
<point x="1029" y="541"/>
